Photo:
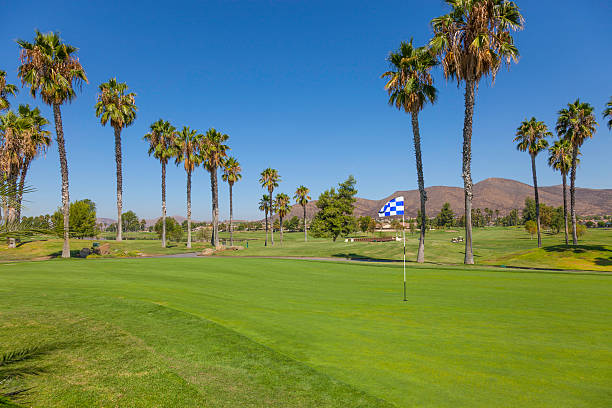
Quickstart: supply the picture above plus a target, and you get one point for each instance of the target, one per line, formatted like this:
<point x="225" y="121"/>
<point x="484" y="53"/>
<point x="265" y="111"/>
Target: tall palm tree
<point x="410" y="87"/>
<point x="576" y="123"/>
<point x="51" y="68"/>
<point x="560" y="158"/>
<point x="608" y="113"/>
<point x="301" y="197"/>
<point x="117" y="106"/>
<point x="161" y="140"/>
<point x="269" y="179"/>
<point x="5" y="90"/>
<point x="187" y="143"/>
<point x="36" y="141"/>
<point x="281" y="203"/>
<point x="264" y="205"/>
<point x="231" y="174"/>
<point x="12" y="130"/>
<point x="472" y="41"/>
<point x="530" y="137"/>
<point x="214" y="152"/>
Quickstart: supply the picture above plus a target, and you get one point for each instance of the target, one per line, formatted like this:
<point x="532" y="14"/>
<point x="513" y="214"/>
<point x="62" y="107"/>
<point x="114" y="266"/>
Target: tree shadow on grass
<point x="74" y="253"/>
<point x="603" y="261"/>
<point x="576" y="249"/>
<point x="365" y="258"/>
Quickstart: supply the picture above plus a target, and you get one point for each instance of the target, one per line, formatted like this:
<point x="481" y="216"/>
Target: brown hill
<point x="494" y="193"/>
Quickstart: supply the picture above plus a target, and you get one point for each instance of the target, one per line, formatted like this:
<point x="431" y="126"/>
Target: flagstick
<point x="404" y="239"/>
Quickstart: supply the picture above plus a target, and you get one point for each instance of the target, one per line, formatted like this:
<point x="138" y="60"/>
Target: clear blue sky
<point x="296" y="86"/>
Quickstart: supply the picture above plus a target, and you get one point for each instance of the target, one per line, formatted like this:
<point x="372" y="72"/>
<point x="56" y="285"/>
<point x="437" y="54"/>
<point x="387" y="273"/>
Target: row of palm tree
<point x="280" y="204"/>
<point x="193" y="149"/>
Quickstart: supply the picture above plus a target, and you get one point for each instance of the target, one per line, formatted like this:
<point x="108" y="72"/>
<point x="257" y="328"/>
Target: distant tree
<point x="129" y="221"/>
<point x="335" y="216"/>
<point x="472" y="42"/>
<point x="372" y="225"/>
<point x="364" y="223"/>
<point x="174" y="231"/>
<point x="186" y="150"/>
<point x="529" y="211"/>
<point x="50" y="68"/>
<point x="557" y="221"/>
<point x="214" y="151"/>
<point x="231" y="175"/>
<point x="82" y="219"/>
<point x="576" y="123"/>
<point x="293" y="224"/>
<point x="531" y="227"/>
<point x="301" y="197"/>
<point x="281" y="204"/>
<point x="580" y="230"/>
<point x="446" y="217"/>
<point x="269" y="179"/>
<point x="514" y="217"/>
<point x="143" y="224"/>
<point x="117" y="106"/>
<point x="161" y="140"/>
<point x="264" y="205"/>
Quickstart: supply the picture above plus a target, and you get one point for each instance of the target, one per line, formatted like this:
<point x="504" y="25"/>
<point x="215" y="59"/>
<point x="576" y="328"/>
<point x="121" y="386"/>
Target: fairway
<point x="257" y="332"/>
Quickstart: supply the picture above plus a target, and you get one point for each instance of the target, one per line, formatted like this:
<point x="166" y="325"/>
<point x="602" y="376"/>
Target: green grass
<point x="260" y="332"/>
<point x="492" y="246"/>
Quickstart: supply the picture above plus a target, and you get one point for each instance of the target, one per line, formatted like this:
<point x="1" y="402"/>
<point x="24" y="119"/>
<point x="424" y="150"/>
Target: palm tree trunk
<point x="572" y="195"/>
<point x="537" y="198"/>
<point x="423" y="194"/>
<point x="467" y="168"/>
<point x="231" y="230"/>
<point x="266" y="243"/>
<point x="59" y="131"/>
<point x="305" y="232"/>
<point x="24" y="172"/>
<point x="565" y="206"/>
<point x="188" y="209"/>
<point x="272" y="226"/>
<point x="163" y="188"/>
<point x="11" y="215"/>
<point x="119" y="183"/>
<point x="215" y="208"/>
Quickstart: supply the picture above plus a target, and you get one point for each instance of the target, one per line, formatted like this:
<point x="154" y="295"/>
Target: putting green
<point x="304" y="333"/>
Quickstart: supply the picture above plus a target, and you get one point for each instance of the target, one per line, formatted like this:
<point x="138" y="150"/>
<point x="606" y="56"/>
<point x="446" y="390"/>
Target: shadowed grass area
<point x="259" y="332"/>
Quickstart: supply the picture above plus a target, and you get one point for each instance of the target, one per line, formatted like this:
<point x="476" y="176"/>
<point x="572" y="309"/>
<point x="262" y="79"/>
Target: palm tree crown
<point x="410" y="84"/>
<point x="186" y="144"/>
<point x="115" y="104"/>
<point x="213" y="149"/>
<point x="576" y="123"/>
<point x="264" y="202"/>
<point x="530" y="136"/>
<point x="281" y="204"/>
<point x="474" y="39"/>
<point x="301" y="196"/>
<point x="161" y="140"/>
<point x="608" y="113"/>
<point x="560" y="156"/>
<point x="231" y="170"/>
<point x="5" y="90"/>
<point x="50" y="68"/>
<point x="269" y="179"/>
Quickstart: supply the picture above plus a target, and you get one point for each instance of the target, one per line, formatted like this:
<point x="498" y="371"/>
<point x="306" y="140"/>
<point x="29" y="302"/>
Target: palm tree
<point x="472" y="41"/>
<point x="301" y="197"/>
<point x="281" y="203"/>
<point x="118" y="107"/>
<point x="5" y="90"/>
<point x="214" y="152"/>
<point x="51" y="68"/>
<point x="186" y="150"/>
<point x="530" y="137"/>
<point x="231" y="174"/>
<point x="269" y="179"/>
<point x="36" y="141"/>
<point x="12" y="130"/>
<point x="161" y="140"/>
<point x="560" y="158"/>
<point x="576" y="124"/>
<point x="608" y="113"/>
<point x="264" y="205"/>
<point x="410" y="87"/>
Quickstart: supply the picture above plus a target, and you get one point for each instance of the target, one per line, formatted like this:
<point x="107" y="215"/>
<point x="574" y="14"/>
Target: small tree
<point x="531" y="227"/>
<point x="82" y="219"/>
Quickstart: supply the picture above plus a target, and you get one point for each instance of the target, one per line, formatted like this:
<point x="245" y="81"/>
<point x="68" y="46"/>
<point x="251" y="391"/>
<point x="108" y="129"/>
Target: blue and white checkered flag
<point x="393" y="207"/>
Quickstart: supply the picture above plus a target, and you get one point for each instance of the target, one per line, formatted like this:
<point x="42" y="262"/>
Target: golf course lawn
<point x="262" y="332"/>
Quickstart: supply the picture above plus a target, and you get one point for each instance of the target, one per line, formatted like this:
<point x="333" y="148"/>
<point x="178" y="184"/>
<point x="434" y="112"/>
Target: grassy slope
<point x="492" y="246"/>
<point x="464" y="338"/>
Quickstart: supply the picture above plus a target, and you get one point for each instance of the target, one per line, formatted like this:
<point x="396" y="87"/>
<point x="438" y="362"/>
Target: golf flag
<point x="393" y="207"/>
